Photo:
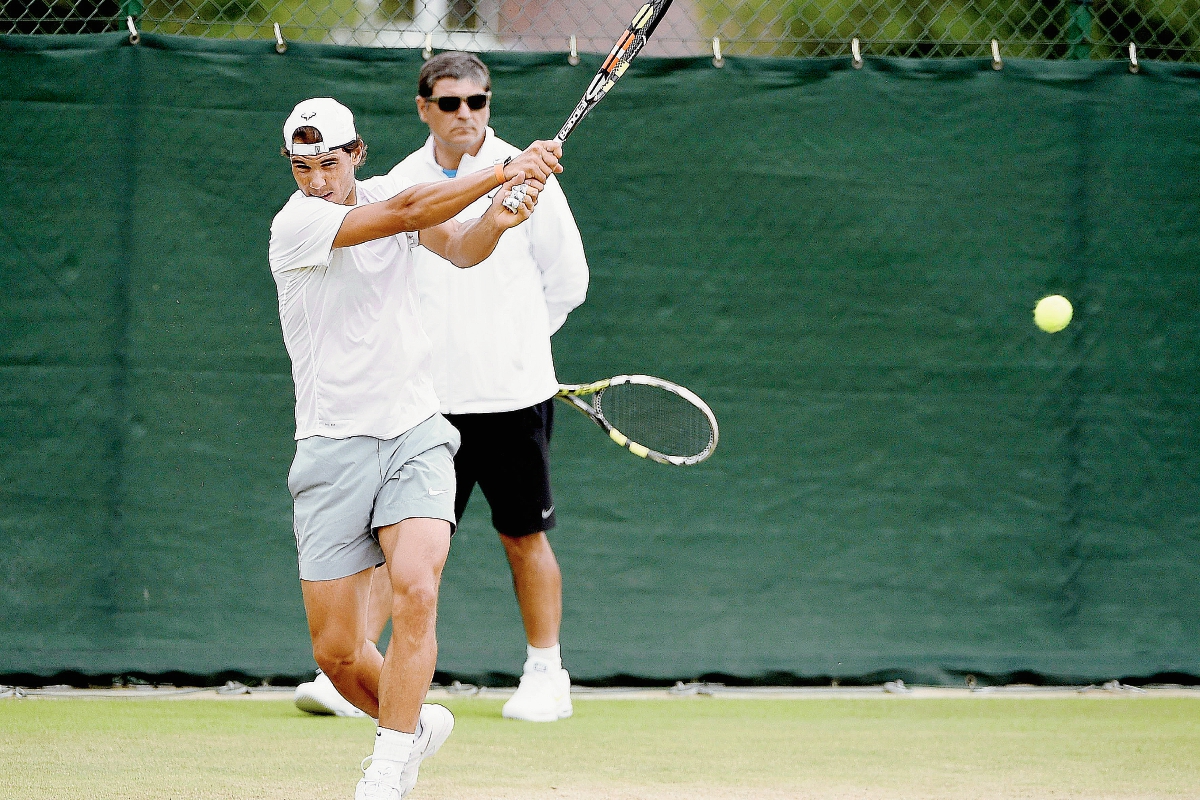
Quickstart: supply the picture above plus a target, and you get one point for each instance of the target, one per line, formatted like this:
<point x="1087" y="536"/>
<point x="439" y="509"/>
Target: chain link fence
<point x="1166" y="30"/>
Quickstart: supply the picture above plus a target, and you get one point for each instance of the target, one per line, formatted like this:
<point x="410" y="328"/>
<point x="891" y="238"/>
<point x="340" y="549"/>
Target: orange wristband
<point x="500" y="173"/>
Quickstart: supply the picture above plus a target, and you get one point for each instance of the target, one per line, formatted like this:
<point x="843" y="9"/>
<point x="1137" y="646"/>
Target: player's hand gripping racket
<point x="628" y="45"/>
<point x="653" y="418"/>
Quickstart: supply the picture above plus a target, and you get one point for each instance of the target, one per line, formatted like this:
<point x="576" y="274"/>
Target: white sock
<point x="392" y="746"/>
<point x="548" y="656"/>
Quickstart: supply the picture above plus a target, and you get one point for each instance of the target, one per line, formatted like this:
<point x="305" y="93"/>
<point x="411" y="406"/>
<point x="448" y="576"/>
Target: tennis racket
<point x="650" y="417"/>
<point x="628" y="45"/>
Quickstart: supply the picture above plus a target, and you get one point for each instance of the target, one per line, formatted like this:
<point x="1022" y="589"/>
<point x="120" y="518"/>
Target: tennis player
<point x="373" y="478"/>
<point x="493" y="370"/>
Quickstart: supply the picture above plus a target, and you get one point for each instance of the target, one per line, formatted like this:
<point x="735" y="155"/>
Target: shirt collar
<point x="469" y="163"/>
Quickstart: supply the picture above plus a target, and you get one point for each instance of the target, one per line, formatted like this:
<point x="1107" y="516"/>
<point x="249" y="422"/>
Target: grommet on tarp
<point x="134" y="36"/>
<point x="1133" y="65"/>
<point x="280" y="44"/>
<point x="573" y="58"/>
<point x="996" y="62"/>
<point x="855" y="53"/>
<point x="427" y="52"/>
<point x="718" y="60"/>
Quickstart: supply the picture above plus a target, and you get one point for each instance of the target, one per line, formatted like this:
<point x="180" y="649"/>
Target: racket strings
<point x="657" y="418"/>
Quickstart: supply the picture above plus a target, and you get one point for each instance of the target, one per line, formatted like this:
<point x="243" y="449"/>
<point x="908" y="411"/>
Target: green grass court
<point x="925" y="745"/>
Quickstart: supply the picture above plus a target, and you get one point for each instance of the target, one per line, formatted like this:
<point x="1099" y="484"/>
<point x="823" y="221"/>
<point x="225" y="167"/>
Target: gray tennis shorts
<point x="346" y="489"/>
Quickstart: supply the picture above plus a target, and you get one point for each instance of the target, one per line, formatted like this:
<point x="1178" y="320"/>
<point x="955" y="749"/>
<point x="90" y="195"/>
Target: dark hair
<point x="307" y="134"/>
<point x="453" y="64"/>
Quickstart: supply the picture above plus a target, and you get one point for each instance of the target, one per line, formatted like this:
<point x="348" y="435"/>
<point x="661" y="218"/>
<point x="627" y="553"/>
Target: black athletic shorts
<point x="508" y="454"/>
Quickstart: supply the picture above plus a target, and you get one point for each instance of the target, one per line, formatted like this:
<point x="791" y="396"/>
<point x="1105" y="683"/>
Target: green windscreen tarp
<point x="912" y="479"/>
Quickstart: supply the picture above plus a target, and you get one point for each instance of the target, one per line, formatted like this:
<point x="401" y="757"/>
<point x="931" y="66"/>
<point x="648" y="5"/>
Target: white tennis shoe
<point x="382" y="780"/>
<point x="543" y="696"/>
<point x="433" y="729"/>
<point x="320" y="697"/>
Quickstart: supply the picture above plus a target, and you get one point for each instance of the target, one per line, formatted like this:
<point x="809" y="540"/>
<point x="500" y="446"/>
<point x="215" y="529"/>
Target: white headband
<point x="318" y="149"/>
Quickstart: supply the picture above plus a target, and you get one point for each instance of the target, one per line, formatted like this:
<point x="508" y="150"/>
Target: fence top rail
<point x="1166" y="30"/>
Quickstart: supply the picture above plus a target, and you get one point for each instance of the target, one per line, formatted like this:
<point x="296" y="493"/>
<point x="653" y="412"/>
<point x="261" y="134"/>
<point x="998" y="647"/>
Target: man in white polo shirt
<point x="373" y="479"/>
<point x="493" y="367"/>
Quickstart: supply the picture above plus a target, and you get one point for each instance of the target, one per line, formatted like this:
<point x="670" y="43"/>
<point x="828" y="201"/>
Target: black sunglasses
<point x="451" y="104"/>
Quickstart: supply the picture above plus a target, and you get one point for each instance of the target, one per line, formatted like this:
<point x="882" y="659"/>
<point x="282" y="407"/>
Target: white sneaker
<point x="320" y="697"/>
<point x="433" y="729"/>
<point x="543" y="696"/>
<point x="380" y="781"/>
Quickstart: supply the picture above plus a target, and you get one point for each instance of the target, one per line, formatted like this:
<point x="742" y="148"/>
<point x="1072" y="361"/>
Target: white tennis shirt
<point x="491" y="324"/>
<point x="351" y="321"/>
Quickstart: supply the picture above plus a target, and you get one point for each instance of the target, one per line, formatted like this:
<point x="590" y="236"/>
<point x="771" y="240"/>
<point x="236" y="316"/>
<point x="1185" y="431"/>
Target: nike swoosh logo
<point x="546" y="514"/>
<point x="436" y="492"/>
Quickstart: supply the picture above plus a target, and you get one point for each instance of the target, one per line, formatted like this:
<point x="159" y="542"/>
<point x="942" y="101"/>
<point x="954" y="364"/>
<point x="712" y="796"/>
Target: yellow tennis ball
<point x="1052" y="313"/>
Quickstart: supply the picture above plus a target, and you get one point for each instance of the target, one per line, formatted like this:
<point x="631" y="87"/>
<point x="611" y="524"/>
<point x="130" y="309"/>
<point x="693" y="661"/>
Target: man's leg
<point x="537" y="581"/>
<point x="415" y="550"/>
<point x="336" y="611"/>
<point x="379" y="608"/>
<point x="320" y="696"/>
<point x="545" y="691"/>
<point x="513" y="470"/>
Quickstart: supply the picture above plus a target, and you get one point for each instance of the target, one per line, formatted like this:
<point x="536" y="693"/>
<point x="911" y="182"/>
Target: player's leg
<point x="319" y="696"/>
<point x="409" y="731"/>
<point x="379" y="611"/>
<point x="413" y="517"/>
<point x="336" y="612"/>
<point x="415" y="552"/>
<point x="517" y="487"/>
<point x="333" y="484"/>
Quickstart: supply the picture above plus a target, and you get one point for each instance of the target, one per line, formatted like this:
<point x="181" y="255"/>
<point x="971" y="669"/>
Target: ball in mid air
<point x="1052" y="313"/>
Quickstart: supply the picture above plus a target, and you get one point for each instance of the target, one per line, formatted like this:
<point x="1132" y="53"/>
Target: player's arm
<point x="465" y="244"/>
<point x="429" y="204"/>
